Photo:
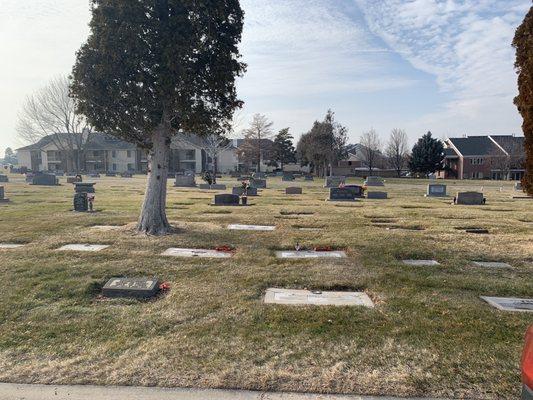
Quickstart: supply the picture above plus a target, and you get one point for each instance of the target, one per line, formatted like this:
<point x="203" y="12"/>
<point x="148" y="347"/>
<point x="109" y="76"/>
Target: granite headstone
<point x="334" y="181"/>
<point x="226" y="199"/>
<point x="141" y="288"/>
<point x="470" y="198"/>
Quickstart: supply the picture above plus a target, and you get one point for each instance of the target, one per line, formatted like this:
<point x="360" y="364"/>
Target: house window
<point x="96" y="153"/>
<point x="128" y="153"/>
<point x="114" y="154"/>
<point x="114" y="167"/>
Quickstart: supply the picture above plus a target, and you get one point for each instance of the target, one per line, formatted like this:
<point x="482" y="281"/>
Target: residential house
<point x="105" y="153"/>
<point x="484" y="157"/>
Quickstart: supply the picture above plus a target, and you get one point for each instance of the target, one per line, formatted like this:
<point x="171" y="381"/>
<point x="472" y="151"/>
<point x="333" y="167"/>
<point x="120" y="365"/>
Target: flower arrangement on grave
<point x="209" y="178"/>
<point x="323" y="248"/>
<point x="225" y="249"/>
<point x="244" y="195"/>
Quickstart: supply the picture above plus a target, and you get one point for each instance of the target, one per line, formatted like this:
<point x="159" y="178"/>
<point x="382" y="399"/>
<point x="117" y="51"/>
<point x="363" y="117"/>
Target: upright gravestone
<point x="342" y="194"/>
<point x="287" y="177"/>
<point x="81" y="198"/>
<point x="259" y="175"/>
<point x="4" y="179"/>
<point x="126" y="174"/>
<point x="309" y="178"/>
<point x="374" y="181"/>
<point x="469" y="198"/>
<point x="357" y="190"/>
<point x="293" y="190"/>
<point x="226" y="199"/>
<point x="436" y="190"/>
<point x="111" y="174"/>
<point x="2" y="194"/>
<point x="29" y="177"/>
<point x="334" y="181"/>
<point x="185" y="181"/>
<point x="376" y="195"/>
<point x="238" y="190"/>
<point x="518" y="186"/>
<point x="142" y="288"/>
<point x="258" y="183"/>
<point x="45" y="180"/>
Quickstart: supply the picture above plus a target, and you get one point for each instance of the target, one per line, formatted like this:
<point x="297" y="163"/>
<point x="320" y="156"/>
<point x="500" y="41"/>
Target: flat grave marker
<point x="10" y="246"/>
<point x="421" y="263"/>
<point x="83" y="247"/>
<point x="317" y="298"/>
<point x="491" y="264"/>
<point x="477" y="230"/>
<point x="142" y="288"/>
<point x="200" y="253"/>
<point x="106" y="228"/>
<point x="310" y="254"/>
<point x="239" y="227"/>
<point x="510" y="303"/>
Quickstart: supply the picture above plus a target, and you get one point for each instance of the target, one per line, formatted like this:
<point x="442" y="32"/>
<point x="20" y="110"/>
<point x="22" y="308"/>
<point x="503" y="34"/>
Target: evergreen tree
<point x="283" y="150"/>
<point x="427" y="155"/>
<point x="152" y="69"/>
<point x="324" y="145"/>
<point x="523" y="42"/>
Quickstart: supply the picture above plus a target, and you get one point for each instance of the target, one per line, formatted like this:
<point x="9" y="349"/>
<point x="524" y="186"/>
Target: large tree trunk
<point x="153" y="218"/>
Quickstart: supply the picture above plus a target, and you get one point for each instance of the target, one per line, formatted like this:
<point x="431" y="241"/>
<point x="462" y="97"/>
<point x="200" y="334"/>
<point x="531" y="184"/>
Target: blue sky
<point x="444" y="66"/>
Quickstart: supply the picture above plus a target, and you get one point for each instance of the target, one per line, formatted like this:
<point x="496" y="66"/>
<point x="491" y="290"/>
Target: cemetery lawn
<point x="429" y="334"/>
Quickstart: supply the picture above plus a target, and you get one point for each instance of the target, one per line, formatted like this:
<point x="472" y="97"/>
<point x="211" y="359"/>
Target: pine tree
<point x="427" y="155"/>
<point x="152" y="69"/>
<point x="284" y="151"/>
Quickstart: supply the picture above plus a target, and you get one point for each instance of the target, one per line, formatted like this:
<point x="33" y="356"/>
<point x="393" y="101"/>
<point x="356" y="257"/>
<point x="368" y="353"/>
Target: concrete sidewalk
<point x="13" y="391"/>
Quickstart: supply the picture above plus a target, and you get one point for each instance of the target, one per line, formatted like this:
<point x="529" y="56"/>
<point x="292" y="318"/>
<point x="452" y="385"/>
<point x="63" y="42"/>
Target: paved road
<point x="9" y="391"/>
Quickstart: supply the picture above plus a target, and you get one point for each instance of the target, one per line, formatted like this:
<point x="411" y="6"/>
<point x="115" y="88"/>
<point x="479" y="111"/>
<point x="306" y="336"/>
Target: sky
<point x="439" y="65"/>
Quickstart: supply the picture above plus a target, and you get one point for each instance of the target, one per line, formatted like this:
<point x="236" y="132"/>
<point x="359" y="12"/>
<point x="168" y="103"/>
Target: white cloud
<point x="301" y="48"/>
<point x="466" y="45"/>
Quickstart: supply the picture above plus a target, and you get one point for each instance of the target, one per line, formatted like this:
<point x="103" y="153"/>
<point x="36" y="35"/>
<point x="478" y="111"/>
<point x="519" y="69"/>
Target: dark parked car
<point x="527" y="366"/>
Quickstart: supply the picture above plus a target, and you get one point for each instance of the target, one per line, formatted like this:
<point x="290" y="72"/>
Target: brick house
<point x="484" y="157"/>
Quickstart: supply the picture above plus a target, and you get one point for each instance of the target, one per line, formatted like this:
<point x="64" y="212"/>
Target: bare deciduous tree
<point x="253" y="148"/>
<point x="370" y="148"/>
<point x="51" y="112"/>
<point x="397" y="150"/>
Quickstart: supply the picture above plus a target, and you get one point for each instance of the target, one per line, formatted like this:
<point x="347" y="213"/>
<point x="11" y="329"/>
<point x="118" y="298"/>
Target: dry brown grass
<point x="430" y="334"/>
